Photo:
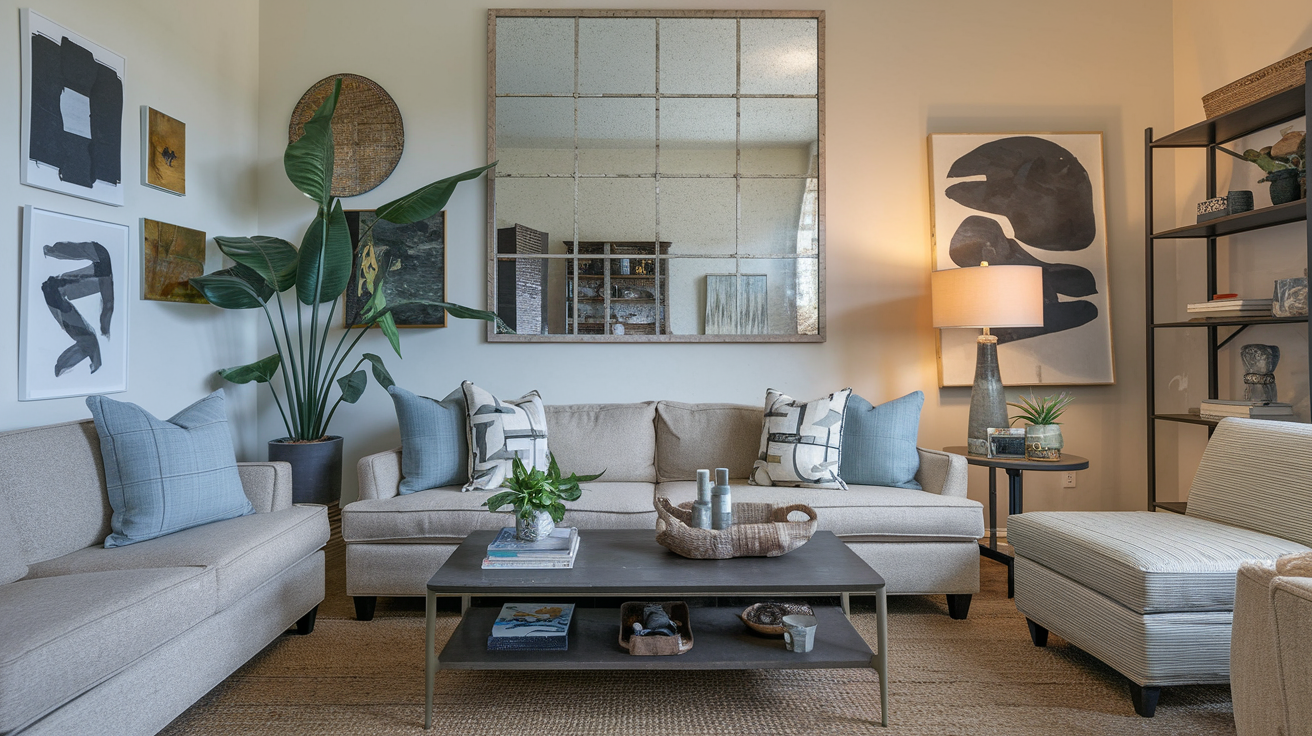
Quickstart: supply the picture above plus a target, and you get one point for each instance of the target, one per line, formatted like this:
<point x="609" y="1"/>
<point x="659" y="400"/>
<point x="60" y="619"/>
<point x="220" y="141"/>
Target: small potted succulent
<point x="536" y="497"/>
<point x="1043" y="439"/>
<point x="1285" y="164"/>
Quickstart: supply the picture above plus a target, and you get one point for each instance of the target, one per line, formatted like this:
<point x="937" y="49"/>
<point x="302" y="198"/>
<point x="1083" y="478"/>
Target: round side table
<point x="1016" y="493"/>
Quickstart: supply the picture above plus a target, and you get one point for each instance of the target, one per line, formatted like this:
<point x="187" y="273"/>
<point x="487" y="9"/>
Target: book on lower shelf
<point x="1220" y="409"/>
<point x="531" y="627"/>
<point x="556" y="551"/>
<point x="1228" y="308"/>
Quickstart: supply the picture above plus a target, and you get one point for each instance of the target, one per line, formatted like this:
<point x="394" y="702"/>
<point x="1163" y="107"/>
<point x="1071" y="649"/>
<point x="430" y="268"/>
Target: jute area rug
<point x="979" y="676"/>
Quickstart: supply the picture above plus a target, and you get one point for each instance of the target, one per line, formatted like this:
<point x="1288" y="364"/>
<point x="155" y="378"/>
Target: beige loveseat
<point x="120" y="641"/>
<point x="921" y="541"/>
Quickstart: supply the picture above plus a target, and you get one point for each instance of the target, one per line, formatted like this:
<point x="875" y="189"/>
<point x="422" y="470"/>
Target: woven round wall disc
<point x="367" y="132"/>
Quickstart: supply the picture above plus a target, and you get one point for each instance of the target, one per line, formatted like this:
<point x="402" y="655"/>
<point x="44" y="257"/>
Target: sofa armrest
<point x="380" y="474"/>
<point x="942" y="473"/>
<point x="1291" y="599"/>
<point x="267" y="485"/>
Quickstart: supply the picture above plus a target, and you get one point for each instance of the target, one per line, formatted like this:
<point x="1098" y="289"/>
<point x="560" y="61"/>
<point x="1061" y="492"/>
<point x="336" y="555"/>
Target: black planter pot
<point x="316" y="468"/>
<point x="1285" y="185"/>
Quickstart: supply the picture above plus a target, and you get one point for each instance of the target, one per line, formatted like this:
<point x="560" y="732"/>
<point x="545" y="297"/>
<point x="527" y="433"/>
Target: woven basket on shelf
<point x="759" y="530"/>
<point x="1285" y="74"/>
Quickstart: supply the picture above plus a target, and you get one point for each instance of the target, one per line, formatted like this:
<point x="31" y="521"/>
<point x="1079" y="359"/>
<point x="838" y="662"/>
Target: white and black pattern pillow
<point x="500" y="431"/>
<point x="801" y="442"/>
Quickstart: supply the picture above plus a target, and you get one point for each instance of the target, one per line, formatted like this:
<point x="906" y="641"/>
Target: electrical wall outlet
<point x="1068" y="479"/>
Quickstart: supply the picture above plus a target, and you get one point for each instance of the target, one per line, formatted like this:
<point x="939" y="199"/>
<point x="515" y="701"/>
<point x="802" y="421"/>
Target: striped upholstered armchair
<point x="1152" y="594"/>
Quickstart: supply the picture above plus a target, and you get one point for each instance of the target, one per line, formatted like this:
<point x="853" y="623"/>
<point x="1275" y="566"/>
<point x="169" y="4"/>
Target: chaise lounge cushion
<point x="694" y="436"/>
<point x="243" y="552"/>
<point x="1148" y="562"/>
<point x="63" y="635"/>
<point x="617" y="438"/>
<point x="864" y="513"/>
<point x="446" y="515"/>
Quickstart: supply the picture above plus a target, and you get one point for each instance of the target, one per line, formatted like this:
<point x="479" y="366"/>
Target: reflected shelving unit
<point x="1207" y="136"/>
<point x="624" y="290"/>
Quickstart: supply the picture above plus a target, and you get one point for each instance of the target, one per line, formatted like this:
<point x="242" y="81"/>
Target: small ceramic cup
<point x="799" y="633"/>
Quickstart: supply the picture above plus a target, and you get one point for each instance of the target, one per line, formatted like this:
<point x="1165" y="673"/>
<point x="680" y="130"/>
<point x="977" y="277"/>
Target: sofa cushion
<point x="434" y="440"/>
<point x="63" y="635"/>
<point x="243" y="552"/>
<point x="694" y="436"/>
<point x="500" y="431"/>
<point x="879" y="442"/>
<point x="12" y="566"/>
<point x="801" y="441"/>
<point x="166" y="476"/>
<point x="1147" y="562"/>
<point x="864" y="513"/>
<point x="447" y="515"/>
<point x="618" y="438"/>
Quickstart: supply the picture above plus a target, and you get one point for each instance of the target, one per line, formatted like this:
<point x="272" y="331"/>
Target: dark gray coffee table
<point x="629" y="563"/>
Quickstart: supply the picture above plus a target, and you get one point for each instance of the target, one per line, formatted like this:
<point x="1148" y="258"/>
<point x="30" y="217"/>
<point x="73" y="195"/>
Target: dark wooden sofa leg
<point x="364" y="607"/>
<point x="1038" y="634"/>
<point x="958" y="605"/>
<point x="1145" y="699"/>
<point x="305" y="624"/>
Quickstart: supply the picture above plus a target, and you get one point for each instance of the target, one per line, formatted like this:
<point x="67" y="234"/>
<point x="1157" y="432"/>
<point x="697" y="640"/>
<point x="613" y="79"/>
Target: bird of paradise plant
<point x="319" y="270"/>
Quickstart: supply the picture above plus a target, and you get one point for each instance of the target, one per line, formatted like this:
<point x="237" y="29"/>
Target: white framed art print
<point x="73" y="329"/>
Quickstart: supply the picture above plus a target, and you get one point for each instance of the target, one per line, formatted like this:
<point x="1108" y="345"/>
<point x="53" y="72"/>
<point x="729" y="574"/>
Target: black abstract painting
<point x="74" y="113"/>
<point x="407" y="261"/>
<point x="60" y="292"/>
<point x="1029" y="200"/>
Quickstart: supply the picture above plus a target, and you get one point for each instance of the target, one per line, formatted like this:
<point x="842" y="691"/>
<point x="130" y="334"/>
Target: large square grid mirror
<point x="660" y="175"/>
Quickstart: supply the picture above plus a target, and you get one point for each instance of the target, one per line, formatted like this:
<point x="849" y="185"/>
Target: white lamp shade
<point x="988" y="296"/>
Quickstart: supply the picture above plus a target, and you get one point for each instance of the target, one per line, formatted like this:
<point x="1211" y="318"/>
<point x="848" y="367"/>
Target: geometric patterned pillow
<point x="500" y="431"/>
<point x="801" y="442"/>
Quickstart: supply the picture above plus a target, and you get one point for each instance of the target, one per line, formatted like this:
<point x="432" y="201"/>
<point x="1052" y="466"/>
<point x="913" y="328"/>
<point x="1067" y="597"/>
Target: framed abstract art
<point x="1028" y="199"/>
<point x="73" y="329"/>
<point x="409" y="261"/>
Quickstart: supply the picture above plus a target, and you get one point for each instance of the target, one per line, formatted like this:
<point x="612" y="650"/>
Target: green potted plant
<point x="318" y="271"/>
<point x="1285" y="164"/>
<point x="536" y="497"/>
<point x="1043" y="439"/>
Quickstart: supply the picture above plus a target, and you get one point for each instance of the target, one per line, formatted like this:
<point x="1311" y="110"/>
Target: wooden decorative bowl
<point x="767" y="618"/>
<point x="759" y="530"/>
<point x="644" y="646"/>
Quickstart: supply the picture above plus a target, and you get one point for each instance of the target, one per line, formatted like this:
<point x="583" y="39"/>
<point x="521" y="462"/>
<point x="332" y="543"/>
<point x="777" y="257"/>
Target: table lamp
<point x="987" y="296"/>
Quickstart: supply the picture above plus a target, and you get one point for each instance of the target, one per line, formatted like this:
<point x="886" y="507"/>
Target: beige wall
<point x="1209" y="52"/>
<point x="896" y="71"/>
<point x="196" y="61"/>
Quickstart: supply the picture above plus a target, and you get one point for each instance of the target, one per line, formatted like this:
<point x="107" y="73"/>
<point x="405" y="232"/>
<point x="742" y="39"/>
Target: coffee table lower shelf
<point x="720" y="642"/>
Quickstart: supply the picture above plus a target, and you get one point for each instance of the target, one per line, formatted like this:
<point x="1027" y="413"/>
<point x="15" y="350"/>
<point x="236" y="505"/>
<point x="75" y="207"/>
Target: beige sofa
<point x="120" y="641"/>
<point x="921" y="541"/>
<point x="1271" y="653"/>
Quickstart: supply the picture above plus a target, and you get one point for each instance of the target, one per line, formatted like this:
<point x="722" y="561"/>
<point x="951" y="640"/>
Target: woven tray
<point x="759" y="530"/>
<point x="1285" y="74"/>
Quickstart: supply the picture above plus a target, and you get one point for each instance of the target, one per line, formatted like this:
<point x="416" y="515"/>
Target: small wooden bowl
<point x="645" y="646"/>
<point x="767" y="618"/>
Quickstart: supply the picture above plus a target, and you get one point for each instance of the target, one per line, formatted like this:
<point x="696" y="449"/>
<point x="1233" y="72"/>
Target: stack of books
<point x="531" y="627"/>
<point x="1217" y="409"/>
<point x="1230" y="308"/>
<point x="555" y="551"/>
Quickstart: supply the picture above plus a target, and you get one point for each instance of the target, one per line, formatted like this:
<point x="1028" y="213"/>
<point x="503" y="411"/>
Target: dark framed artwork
<point x="170" y="256"/>
<point x="1029" y="199"/>
<point x="72" y="112"/>
<point x="163" y="152"/>
<point x="73" y="329"/>
<point x="408" y="260"/>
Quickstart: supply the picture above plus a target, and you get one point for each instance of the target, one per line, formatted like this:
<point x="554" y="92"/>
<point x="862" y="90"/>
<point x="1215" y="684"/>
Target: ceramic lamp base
<point x="988" y="401"/>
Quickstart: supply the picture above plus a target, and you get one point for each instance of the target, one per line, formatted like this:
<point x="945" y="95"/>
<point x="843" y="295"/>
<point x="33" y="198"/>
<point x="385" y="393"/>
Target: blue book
<point x="561" y="543"/>
<point x="531" y="626"/>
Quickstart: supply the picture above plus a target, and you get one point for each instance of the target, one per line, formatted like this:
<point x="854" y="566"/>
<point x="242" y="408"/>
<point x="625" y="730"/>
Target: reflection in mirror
<point x="641" y="203"/>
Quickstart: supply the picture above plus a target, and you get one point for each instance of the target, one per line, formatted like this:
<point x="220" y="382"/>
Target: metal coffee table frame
<point x="629" y="564"/>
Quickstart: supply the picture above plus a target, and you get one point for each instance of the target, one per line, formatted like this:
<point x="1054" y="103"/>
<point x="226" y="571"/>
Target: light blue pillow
<point x="166" y="476"/>
<point x="434" y="443"/>
<point x="879" y="442"/>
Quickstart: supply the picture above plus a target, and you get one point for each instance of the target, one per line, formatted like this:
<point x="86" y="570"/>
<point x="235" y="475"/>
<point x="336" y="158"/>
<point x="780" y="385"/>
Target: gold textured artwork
<point x="166" y="152"/>
<point x="171" y="255"/>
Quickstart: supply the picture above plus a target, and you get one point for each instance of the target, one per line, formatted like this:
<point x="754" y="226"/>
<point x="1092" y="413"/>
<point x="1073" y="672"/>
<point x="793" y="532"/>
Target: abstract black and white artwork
<point x="73" y="334"/>
<point x="72" y="113"/>
<point x="1033" y="199"/>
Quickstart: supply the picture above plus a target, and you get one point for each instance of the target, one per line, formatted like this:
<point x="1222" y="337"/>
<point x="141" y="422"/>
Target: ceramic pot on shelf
<point x="1043" y="442"/>
<point x="316" y="468"/>
<point x="538" y="526"/>
<point x="1285" y="185"/>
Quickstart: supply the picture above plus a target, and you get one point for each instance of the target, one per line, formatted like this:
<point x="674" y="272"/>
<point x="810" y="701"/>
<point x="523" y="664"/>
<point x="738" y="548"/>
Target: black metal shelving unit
<point x="1208" y="135"/>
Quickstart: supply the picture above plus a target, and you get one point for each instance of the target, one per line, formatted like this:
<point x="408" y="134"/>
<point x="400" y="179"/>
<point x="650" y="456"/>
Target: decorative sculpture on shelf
<point x="1259" y="371"/>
